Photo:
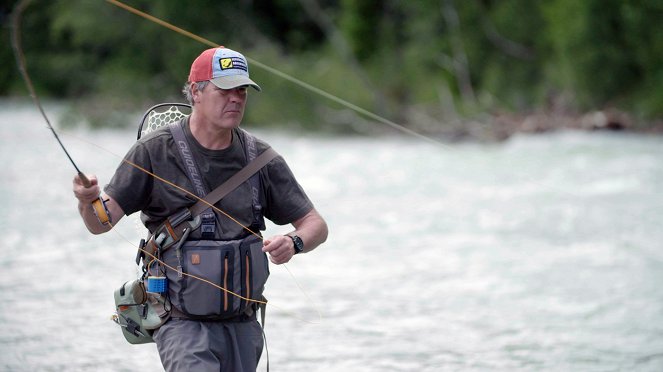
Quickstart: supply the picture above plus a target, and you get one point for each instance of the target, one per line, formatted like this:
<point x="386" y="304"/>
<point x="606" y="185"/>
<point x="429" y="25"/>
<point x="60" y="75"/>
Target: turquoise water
<point x="543" y="253"/>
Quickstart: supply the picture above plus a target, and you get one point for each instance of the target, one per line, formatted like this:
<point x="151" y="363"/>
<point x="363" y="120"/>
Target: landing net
<point x="162" y="114"/>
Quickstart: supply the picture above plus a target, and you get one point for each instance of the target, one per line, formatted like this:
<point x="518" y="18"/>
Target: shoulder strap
<point x="251" y="152"/>
<point x="234" y="181"/>
<point x="208" y="223"/>
<point x="190" y="165"/>
<point x="249" y="172"/>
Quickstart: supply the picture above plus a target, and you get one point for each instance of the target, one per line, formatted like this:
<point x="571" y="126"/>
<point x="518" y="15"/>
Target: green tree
<point x="413" y="62"/>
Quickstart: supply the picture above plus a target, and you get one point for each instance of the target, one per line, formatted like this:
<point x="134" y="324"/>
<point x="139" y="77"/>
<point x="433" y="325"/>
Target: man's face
<point x="221" y="108"/>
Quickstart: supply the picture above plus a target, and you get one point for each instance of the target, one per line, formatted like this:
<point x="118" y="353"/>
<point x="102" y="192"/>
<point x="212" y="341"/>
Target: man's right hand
<point x="86" y="195"/>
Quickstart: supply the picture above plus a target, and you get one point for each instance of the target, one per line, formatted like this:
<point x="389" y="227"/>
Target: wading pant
<point x="189" y="345"/>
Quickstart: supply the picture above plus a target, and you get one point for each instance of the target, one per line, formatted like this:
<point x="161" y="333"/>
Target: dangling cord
<point x="264" y="338"/>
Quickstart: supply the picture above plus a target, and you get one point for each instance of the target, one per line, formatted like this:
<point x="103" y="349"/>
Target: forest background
<point x="448" y="68"/>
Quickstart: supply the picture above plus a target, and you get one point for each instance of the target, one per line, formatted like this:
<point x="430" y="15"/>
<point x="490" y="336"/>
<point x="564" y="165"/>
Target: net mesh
<point x="161" y="116"/>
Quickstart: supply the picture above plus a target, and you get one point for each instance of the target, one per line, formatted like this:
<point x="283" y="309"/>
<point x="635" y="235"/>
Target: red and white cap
<point x="225" y="68"/>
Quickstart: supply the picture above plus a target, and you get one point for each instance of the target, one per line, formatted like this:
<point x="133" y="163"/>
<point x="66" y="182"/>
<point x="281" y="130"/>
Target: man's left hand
<point x="280" y="249"/>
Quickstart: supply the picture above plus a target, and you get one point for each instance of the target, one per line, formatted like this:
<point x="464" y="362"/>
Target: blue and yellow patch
<point x="226" y="63"/>
<point x="232" y="63"/>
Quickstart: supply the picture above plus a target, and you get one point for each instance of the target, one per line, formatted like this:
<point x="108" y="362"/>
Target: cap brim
<point x="234" y="81"/>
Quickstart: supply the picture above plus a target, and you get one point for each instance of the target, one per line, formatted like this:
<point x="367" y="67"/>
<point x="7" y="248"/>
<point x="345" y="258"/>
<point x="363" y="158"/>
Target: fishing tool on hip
<point x="99" y="205"/>
<point x="136" y="312"/>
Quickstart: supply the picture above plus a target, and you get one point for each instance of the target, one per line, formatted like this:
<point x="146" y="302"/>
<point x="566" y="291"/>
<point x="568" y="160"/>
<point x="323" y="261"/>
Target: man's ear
<point x="195" y="92"/>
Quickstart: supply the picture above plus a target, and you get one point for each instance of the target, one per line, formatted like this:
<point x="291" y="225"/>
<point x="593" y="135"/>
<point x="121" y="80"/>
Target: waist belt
<point x="176" y="313"/>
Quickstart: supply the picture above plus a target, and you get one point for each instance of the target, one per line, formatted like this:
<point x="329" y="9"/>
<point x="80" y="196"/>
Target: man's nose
<point x="236" y="95"/>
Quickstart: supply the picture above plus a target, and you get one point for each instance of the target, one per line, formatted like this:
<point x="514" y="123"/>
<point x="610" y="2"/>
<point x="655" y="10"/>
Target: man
<point x="217" y="89"/>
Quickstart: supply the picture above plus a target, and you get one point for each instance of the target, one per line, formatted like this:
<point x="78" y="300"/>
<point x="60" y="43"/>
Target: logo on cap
<point x="226" y="63"/>
<point x="230" y="63"/>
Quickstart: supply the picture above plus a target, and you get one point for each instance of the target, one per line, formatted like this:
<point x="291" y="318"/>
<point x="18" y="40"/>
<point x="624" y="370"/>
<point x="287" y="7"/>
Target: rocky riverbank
<point x="501" y="126"/>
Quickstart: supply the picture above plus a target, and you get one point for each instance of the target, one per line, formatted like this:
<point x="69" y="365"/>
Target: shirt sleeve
<point x="286" y="200"/>
<point x="131" y="184"/>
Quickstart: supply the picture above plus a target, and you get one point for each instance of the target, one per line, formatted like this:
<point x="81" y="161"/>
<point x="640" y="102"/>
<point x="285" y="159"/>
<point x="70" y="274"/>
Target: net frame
<point x="162" y="114"/>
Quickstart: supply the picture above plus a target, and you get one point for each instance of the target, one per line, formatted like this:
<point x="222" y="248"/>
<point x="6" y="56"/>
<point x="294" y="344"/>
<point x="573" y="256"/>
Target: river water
<point x="543" y="253"/>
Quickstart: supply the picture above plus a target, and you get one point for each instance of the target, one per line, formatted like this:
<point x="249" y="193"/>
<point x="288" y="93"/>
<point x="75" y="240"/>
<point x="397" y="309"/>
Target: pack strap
<point x="233" y="182"/>
<point x="251" y="151"/>
<point x="192" y="169"/>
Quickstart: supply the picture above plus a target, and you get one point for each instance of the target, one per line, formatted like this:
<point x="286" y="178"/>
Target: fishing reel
<point x="99" y="205"/>
<point x="101" y="211"/>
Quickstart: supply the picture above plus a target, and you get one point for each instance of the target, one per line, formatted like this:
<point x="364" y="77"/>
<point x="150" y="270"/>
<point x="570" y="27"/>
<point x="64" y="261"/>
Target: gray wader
<point x="189" y="345"/>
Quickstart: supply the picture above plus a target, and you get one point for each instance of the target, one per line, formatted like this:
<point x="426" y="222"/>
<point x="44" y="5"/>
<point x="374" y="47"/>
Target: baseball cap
<point x="225" y="68"/>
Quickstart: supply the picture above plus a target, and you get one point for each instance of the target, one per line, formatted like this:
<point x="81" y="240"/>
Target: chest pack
<point x="213" y="279"/>
<point x="204" y="279"/>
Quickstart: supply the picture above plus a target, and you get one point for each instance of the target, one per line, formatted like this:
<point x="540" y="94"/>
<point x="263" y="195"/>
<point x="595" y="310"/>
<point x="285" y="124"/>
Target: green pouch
<point x="137" y="312"/>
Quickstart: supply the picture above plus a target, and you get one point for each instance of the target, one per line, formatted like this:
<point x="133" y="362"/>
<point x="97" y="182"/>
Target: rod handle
<point x="84" y="179"/>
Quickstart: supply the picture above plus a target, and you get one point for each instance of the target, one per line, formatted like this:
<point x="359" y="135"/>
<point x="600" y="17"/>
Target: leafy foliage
<point x="401" y="59"/>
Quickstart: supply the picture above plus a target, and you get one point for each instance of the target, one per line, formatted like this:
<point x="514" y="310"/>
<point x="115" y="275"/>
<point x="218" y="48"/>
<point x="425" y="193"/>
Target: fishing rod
<point x="98" y="205"/>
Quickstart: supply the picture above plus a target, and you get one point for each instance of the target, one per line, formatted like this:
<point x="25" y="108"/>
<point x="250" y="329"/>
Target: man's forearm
<point x="312" y="229"/>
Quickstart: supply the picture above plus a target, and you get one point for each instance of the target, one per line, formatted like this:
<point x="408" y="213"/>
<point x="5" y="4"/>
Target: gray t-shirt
<point x="283" y="199"/>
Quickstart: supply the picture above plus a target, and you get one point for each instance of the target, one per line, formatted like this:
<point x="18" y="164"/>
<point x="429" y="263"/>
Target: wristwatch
<point x="299" y="244"/>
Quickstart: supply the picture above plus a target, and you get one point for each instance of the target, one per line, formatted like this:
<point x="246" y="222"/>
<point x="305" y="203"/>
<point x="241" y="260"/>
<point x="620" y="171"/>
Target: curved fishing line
<point x="281" y="74"/>
<point x="180" y="188"/>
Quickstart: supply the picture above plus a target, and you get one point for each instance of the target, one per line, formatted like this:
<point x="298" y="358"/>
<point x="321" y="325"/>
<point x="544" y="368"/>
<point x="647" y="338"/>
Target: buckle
<point x="208" y="226"/>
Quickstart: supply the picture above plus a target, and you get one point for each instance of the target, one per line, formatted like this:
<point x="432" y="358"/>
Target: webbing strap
<point x="190" y="165"/>
<point x="234" y="181"/>
<point x="251" y="152"/>
<point x="208" y="225"/>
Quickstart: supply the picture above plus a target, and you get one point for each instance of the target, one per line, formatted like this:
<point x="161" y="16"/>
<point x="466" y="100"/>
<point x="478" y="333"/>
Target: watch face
<point x="299" y="244"/>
